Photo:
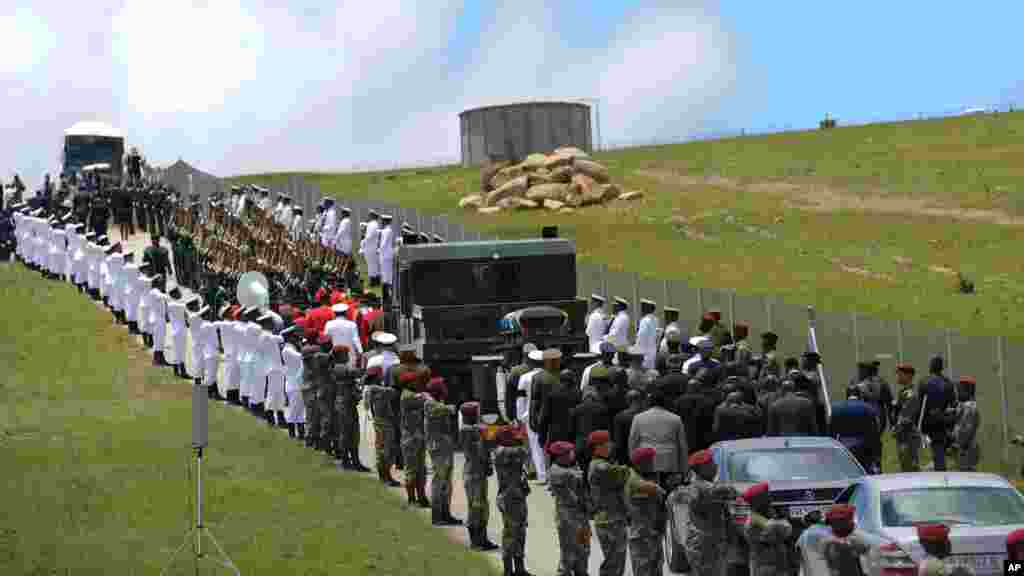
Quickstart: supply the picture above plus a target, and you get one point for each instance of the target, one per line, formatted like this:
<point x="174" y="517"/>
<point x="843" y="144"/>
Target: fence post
<point x="604" y="282"/>
<point x="732" y="313"/>
<point x="949" y="355"/>
<point x="700" y="301"/>
<point x="899" y="340"/>
<point x="768" y="310"/>
<point x="665" y="295"/>
<point x="1000" y="359"/>
<point x="856" y="338"/>
<point x="636" y="301"/>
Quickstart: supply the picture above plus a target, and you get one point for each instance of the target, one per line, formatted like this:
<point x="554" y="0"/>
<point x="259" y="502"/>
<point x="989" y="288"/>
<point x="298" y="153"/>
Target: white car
<point x="980" y="509"/>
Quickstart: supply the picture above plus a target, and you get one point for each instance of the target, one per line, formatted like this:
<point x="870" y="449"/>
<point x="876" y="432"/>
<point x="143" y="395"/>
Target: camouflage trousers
<point x="309" y="398"/>
<point x="573" y="556"/>
<point x="414" y="455"/>
<point x="477" y="503"/>
<point x="328" y="413"/>
<point x="441" y="464"/>
<point x="645" y="550"/>
<point x="909" y="454"/>
<point x="611" y="535"/>
<point x="513" y="526"/>
<point x="704" y="553"/>
<point x="348" y="425"/>
<point x="967" y="458"/>
<point x="383" y="442"/>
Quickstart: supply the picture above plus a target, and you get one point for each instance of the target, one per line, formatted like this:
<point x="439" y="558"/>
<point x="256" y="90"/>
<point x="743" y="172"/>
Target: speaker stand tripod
<point x="200" y="530"/>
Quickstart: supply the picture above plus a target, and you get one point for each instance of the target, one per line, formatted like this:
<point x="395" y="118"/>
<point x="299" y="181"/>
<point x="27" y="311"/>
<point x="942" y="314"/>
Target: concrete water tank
<point x="514" y="130"/>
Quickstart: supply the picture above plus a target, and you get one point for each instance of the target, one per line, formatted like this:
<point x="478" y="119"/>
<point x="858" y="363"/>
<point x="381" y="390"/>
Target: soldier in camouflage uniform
<point x="607" y="492"/>
<point x="475" y="471"/>
<point x="907" y="414"/>
<point x="843" y="548"/>
<point x="347" y="399"/>
<point x="379" y="399"/>
<point x="440" y="444"/>
<point x="934" y="538"/>
<point x="414" y="449"/>
<point x="965" y="431"/>
<point x="645" y="501"/>
<point x="708" y="516"/>
<point x="311" y="358"/>
<point x="509" y="462"/>
<point x="767" y="536"/>
<point x="568" y="487"/>
<point x="327" y="395"/>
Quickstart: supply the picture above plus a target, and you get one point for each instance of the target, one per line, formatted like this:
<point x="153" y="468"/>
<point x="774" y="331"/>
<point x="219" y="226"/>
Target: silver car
<point x="980" y="509"/>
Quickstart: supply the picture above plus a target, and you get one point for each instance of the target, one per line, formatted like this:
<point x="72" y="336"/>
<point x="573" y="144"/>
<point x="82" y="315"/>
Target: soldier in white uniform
<point x="330" y="224"/>
<point x="158" y="318"/>
<point x="618" y="333"/>
<point x="229" y="381"/>
<point x="671" y="321"/>
<point x="69" y="256"/>
<point x="250" y="361"/>
<point x="343" y="238"/>
<point x="143" y="284"/>
<point x="195" y="323"/>
<point x="295" y="229"/>
<point x="344" y="332"/>
<point x="58" y="248"/>
<point x="647" y="333"/>
<point x="387" y="356"/>
<point x="387" y="258"/>
<point x="295" y="411"/>
<point x="264" y="203"/>
<point x="209" y="334"/>
<point x="284" y="216"/>
<point x="371" y="249"/>
<point x="597" y="323"/>
<point x="524" y="389"/>
<point x="129" y="281"/>
<point x="272" y="372"/>
<point x="179" y="335"/>
<point x="115" y="270"/>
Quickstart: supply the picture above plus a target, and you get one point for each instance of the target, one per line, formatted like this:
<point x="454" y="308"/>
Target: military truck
<point x="460" y="301"/>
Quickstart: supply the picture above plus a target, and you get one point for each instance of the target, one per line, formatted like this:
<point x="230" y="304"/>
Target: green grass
<point x="95" y="455"/>
<point x="757" y="229"/>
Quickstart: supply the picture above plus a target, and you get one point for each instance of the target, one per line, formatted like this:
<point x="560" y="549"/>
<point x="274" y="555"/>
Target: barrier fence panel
<point x="684" y="297"/>
<point x="443" y="228"/>
<point x="751" y="310"/>
<point x="878" y="341"/>
<point x="791" y="325"/>
<point x="588" y="280"/>
<point x="620" y="285"/>
<point x="835" y="343"/>
<point x="1012" y="356"/>
<point x="920" y="343"/>
<point x="977" y="356"/>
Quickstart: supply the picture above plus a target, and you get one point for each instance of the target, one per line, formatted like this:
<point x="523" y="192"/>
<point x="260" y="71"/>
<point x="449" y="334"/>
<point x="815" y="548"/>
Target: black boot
<point x="509" y="567"/>
<point x="483" y="541"/>
<point x="435" y="517"/>
<point x="133" y="328"/>
<point x="520" y="565"/>
<point x="158" y="358"/>
<point x="353" y="456"/>
<point x="300" y="431"/>
<point x="182" y="372"/>
<point x="410" y="493"/>
<point x="291" y="430"/>
<point x="280" y="421"/>
<point x="270" y="418"/>
<point x="449" y="519"/>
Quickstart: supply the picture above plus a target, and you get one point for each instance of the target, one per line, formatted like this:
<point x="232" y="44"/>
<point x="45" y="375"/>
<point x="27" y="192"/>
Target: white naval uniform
<point x="69" y="254"/>
<point x="344" y="332"/>
<point x="229" y="339"/>
<point x="523" y="414"/>
<point x="387" y="255"/>
<point x="385" y="360"/>
<point x="295" y="413"/>
<point x="254" y="380"/>
<point x="129" y="280"/>
<point x="208" y="334"/>
<point x="115" y="268"/>
<point x="295" y="228"/>
<point x="371" y="250"/>
<point x="195" y="337"/>
<point x="647" y="339"/>
<point x="179" y="335"/>
<point x="343" y="239"/>
<point x="329" y="228"/>
<point x="79" y="265"/>
<point x="57" y="252"/>
<point x="94" y="255"/>
<point x="597" y="326"/>
<point x="274" y="370"/>
<point x="618" y="334"/>
<point x="158" y="317"/>
<point x="144" y="288"/>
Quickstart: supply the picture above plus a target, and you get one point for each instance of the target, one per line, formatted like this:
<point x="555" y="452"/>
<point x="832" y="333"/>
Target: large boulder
<point x="543" y="192"/>
<point x="506" y="175"/>
<point x="539" y="177"/>
<point x="487" y="173"/>
<point x="582" y="184"/>
<point x="571" y="152"/>
<point x="566" y="210"/>
<point x="632" y="195"/>
<point x="596" y="171"/>
<point x="553" y="205"/>
<point x="472" y="201"/>
<point x="561" y="174"/>
<point x="609" y="192"/>
<point x="525" y="204"/>
<point x="554" y="161"/>
<point x="515" y="187"/>
<point x="534" y="161"/>
<point x="510" y="203"/>
<point x="489" y="210"/>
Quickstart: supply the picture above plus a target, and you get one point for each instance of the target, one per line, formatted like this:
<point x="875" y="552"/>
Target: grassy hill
<point x="95" y="452"/>
<point x="879" y="219"/>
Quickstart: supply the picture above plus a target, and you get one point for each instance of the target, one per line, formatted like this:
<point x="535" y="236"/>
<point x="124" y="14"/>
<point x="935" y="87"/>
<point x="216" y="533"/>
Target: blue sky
<point x="237" y="86"/>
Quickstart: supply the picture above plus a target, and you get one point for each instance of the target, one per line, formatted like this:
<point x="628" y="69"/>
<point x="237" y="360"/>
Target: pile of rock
<point x="561" y="181"/>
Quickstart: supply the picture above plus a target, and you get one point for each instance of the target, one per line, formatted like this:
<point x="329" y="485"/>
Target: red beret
<point x="408" y="377"/>
<point x="906" y="368"/>
<point x="321" y="294"/>
<point x="296" y="313"/>
<point x="324" y="338"/>
<point x="598" y="437"/>
<point x="968" y="381"/>
<point x="840" y="512"/>
<point x="508" y="436"/>
<point x="755" y="491"/>
<point x="559" y="449"/>
<point x="469" y="409"/>
<point x="300" y="321"/>
<point x="708" y="317"/>
<point x="741" y="330"/>
<point x="932" y="532"/>
<point x="1016" y="537"/>
<point x="437" y="387"/>
<point x="702" y="457"/>
<point x="340" y="348"/>
<point x="376" y="372"/>
<point x="284" y="310"/>
<point x="337" y="297"/>
<point x="715" y="315"/>
<point x="644" y="455"/>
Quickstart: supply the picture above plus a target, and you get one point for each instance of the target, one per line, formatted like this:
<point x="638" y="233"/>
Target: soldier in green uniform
<point x="907" y="415"/>
<point x="568" y="487"/>
<point x="441" y="446"/>
<point x="348" y="417"/>
<point x="842" y="549"/>
<point x="708" y="516"/>
<point x="156" y="257"/>
<point x="327" y="398"/>
<point x="965" y="430"/>
<point x="767" y="536"/>
<point x="379" y="399"/>
<point x="475" y="471"/>
<point x="311" y="357"/>
<point x="645" y="501"/>
<point x="413" y="384"/>
<point x="607" y="491"/>
<point x="509" y="462"/>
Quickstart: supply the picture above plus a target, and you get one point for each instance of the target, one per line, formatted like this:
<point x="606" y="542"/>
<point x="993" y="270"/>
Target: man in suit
<point x="794" y="413"/>
<point x="662" y="430"/>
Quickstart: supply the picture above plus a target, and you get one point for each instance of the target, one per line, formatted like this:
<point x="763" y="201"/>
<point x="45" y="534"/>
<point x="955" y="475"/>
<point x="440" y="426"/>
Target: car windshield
<point x="824" y="463"/>
<point x="970" y="505"/>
